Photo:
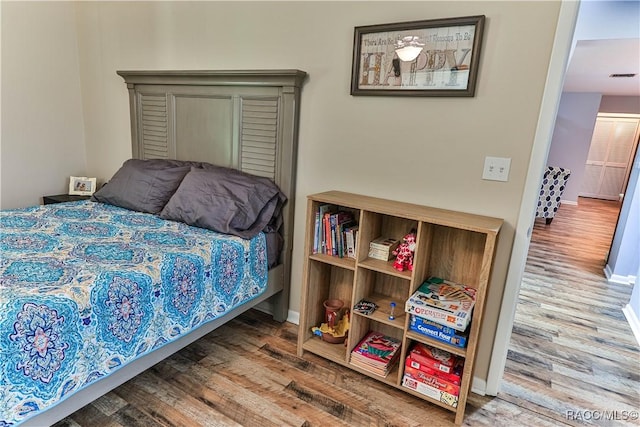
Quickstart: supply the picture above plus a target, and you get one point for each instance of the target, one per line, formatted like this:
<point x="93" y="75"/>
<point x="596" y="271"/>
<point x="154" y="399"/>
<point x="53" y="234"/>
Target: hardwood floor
<point x="572" y="350"/>
<point x="572" y="359"/>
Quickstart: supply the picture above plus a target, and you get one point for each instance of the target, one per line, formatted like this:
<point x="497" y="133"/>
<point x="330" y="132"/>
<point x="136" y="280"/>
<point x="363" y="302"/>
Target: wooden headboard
<point x="245" y="119"/>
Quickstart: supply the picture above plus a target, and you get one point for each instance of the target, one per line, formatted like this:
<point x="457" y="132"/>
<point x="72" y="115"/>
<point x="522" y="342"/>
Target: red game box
<point x="434" y="358"/>
<point x="453" y="377"/>
<point x="432" y="381"/>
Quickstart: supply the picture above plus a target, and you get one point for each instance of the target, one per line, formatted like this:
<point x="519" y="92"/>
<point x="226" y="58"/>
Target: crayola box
<point x="443" y="302"/>
<point x="438" y="331"/>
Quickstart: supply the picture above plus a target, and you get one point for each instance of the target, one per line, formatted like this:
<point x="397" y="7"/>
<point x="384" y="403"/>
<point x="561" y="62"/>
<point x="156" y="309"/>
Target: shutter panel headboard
<point x="259" y="136"/>
<point x="245" y="119"/>
<point x="153" y="129"/>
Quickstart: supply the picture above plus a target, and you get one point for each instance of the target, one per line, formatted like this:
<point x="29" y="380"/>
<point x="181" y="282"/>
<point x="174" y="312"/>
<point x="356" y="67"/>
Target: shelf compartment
<point x="430" y="399"/>
<point x="385" y="267"/>
<point x="334" y="352"/>
<point x="458" y="351"/>
<point x="330" y="281"/>
<point x="348" y="263"/>
<point x="313" y="210"/>
<point x="325" y="281"/>
<point x="382" y="288"/>
<point x="360" y="327"/>
<point x="381" y="314"/>
<point x="374" y="225"/>
<point x="449" y="262"/>
<point x="390" y="379"/>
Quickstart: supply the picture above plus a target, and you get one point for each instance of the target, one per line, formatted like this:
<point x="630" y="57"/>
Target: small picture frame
<point x="82" y="186"/>
<point x="437" y="57"/>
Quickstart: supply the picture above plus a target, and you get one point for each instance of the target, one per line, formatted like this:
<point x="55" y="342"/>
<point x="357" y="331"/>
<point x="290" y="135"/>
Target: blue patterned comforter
<point x="86" y="288"/>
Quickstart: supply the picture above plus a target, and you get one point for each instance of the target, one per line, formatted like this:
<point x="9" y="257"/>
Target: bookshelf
<point x="456" y="246"/>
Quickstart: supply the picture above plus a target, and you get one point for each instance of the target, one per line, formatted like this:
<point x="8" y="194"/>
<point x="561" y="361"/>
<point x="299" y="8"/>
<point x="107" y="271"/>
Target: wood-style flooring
<point x="572" y="359"/>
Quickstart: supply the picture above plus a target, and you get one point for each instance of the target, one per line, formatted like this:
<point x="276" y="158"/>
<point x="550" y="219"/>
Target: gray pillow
<point x="143" y="185"/>
<point x="227" y="201"/>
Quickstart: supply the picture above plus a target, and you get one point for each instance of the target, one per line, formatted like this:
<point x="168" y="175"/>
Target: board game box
<point x="446" y="303"/>
<point x="437" y="331"/>
<point x="434" y="358"/>
<point x="455" y="376"/>
<point x="428" y="390"/>
<point x="365" y="307"/>
<point x="382" y="248"/>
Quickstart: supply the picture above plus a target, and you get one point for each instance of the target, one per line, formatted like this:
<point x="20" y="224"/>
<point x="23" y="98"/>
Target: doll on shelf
<point x="404" y="253"/>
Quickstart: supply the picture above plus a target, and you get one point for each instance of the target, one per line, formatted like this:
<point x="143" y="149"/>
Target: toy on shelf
<point x="336" y="327"/>
<point x="404" y="253"/>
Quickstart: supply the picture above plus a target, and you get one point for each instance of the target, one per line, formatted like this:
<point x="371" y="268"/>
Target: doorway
<point x="563" y="45"/>
<point x="608" y="166"/>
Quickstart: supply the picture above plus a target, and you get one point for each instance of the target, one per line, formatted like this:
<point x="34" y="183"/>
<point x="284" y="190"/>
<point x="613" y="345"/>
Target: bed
<point x="193" y="230"/>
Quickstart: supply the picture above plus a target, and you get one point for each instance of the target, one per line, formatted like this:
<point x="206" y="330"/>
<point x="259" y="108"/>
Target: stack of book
<point x="335" y="232"/>
<point x="443" y="302"/>
<point x="382" y="248"/>
<point x="433" y="372"/>
<point x="376" y="353"/>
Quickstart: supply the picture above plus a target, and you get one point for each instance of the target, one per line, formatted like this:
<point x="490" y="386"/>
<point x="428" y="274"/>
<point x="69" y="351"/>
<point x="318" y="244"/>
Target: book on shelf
<point x="329" y="236"/>
<point x="376" y="353"/>
<point x="351" y="235"/>
<point x="340" y="220"/>
<point x="319" y="236"/>
<point x="381" y="371"/>
<point x="327" y="250"/>
<point x="446" y="303"/>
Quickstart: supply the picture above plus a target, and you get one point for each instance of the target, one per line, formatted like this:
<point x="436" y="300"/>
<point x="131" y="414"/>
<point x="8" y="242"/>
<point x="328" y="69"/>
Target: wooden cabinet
<point x="455" y="246"/>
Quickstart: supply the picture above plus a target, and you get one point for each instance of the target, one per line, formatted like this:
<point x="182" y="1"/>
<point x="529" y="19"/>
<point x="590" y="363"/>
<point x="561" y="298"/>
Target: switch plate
<point x="496" y="168"/>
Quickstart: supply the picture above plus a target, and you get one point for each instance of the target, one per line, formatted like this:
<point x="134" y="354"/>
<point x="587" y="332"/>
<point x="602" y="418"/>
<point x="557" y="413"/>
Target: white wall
<point x="571" y="140"/>
<point x="624" y="258"/>
<point x="42" y="117"/>
<point x="431" y="150"/>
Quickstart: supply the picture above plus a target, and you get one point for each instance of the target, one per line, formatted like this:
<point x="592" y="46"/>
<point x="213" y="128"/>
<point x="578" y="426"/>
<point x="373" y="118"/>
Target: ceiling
<point x="593" y="61"/>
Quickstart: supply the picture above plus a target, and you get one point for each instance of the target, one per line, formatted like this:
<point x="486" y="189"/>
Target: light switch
<point x="496" y="168"/>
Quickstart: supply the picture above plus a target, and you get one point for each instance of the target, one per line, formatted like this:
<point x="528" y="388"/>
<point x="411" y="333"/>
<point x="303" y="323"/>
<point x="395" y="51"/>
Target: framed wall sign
<point x="82" y="186"/>
<point x="436" y="57"/>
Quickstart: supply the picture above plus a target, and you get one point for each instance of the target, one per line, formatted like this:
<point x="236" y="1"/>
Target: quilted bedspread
<point x="87" y="287"/>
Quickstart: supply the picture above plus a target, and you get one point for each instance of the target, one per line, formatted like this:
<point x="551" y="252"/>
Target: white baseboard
<point x="616" y="278"/>
<point x="568" y="202"/>
<point x="479" y="386"/>
<point x="293" y="317"/>
<point x="633" y="320"/>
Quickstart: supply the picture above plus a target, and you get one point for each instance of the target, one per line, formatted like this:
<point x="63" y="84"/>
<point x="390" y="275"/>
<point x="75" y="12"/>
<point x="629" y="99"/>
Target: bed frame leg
<point x="280" y="306"/>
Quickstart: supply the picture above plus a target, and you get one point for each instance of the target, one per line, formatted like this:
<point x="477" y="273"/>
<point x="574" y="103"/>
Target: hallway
<point x="572" y="355"/>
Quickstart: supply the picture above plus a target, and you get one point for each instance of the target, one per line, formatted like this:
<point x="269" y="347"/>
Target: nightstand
<point x="61" y="198"/>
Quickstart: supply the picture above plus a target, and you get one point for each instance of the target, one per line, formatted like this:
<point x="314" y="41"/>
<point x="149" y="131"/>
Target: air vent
<point x="623" y="75"/>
